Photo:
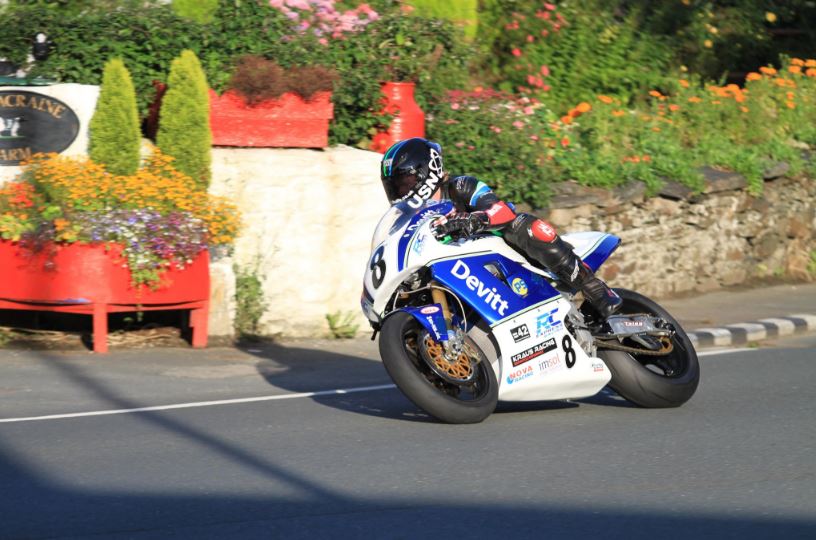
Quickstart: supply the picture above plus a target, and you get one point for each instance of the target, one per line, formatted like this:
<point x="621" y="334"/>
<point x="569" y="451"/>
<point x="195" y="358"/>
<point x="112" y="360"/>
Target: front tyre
<point x="403" y="342"/>
<point x="653" y="381"/>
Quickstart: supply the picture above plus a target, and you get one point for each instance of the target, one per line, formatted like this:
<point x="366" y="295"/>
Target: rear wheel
<point x="463" y="390"/>
<point x="653" y="381"/>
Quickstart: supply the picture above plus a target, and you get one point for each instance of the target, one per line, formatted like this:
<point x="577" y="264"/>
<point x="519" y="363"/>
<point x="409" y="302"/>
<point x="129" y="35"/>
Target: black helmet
<point x="411" y="170"/>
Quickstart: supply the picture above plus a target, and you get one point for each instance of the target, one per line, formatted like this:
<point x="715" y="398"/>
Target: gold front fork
<point x="440" y="298"/>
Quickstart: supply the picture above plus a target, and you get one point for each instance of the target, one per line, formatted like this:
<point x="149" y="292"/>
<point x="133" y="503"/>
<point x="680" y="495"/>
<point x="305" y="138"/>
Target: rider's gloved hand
<point x="461" y="225"/>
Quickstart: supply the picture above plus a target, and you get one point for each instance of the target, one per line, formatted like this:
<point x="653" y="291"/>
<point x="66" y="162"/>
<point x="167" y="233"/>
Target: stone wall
<point x="678" y="242"/>
<point x="309" y="216"/>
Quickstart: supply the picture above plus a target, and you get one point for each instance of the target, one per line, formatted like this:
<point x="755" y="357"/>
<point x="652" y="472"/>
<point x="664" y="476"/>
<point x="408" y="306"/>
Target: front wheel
<point x="653" y="381"/>
<point x="464" y="391"/>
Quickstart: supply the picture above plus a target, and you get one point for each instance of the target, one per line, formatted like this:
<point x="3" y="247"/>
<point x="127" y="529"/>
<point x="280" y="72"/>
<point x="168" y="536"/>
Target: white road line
<point x="712" y="352"/>
<point x="338" y="391"/>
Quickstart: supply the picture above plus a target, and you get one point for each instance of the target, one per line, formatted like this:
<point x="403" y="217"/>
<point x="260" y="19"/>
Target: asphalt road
<point x="737" y="461"/>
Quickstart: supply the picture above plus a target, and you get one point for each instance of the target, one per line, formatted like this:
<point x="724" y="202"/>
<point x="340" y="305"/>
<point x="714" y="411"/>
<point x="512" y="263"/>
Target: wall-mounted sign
<point x="31" y="123"/>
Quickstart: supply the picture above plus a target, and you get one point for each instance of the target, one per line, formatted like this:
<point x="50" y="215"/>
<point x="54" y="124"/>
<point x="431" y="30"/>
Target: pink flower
<point x="546" y="87"/>
<point x="530" y="38"/>
<point x="471" y="147"/>
<point x="545" y="71"/>
<point x="545" y="32"/>
<point x="516" y="52"/>
<point x="518" y="124"/>
<point x="528" y="110"/>
<point x="460" y="144"/>
<point x="323" y="41"/>
<point x="495" y="129"/>
<point x="455" y="106"/>
<point x="533" y="137"/>
<point x="549" y="7"/>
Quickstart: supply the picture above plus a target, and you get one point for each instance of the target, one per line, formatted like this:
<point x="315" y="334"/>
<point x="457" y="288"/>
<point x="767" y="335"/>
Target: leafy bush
<point x="574" y="51"/>
<point x="460" y="12"/>
<point x="157" y="214"/>
<point x="114" y="129"/>
<point x="507" y="141"/>
<point x="184" y="127"/>
<point x="201" y="11"/>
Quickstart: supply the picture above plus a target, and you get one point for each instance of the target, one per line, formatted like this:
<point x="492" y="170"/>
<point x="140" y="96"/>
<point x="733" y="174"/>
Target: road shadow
<point x="298" y="369"/>
<point x="37" y="505"/>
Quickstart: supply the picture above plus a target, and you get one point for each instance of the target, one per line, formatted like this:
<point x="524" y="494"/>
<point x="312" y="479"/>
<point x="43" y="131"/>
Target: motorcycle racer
<point x="412" y="170"/>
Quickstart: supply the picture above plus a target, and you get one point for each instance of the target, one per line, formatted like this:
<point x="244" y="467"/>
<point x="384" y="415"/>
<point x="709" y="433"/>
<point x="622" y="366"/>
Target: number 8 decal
<point x="569" y="352"/>
<point x="377" y="267"/>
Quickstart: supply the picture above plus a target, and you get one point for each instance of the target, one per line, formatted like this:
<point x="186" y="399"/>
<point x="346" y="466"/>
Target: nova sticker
<point x="429" y="310"/>
<point x="533" y="352"/>
<point x="490" y="296"/>
<point x="519" y="374"/>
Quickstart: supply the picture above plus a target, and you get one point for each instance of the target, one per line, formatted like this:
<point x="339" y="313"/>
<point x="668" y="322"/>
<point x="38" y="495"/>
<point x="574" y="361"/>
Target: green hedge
<point x="148" y="36"/>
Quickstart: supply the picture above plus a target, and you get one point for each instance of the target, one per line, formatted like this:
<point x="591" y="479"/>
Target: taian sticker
<point x="519" y="287"/>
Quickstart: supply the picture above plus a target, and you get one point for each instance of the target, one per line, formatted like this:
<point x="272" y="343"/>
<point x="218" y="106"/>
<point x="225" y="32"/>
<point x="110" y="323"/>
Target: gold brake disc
<point x="459" y="370"/>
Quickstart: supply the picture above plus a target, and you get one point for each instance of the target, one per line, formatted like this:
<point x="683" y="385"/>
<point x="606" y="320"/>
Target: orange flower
<point x="656" y="129"/>
<point x="583" y="107"/>
<point x="811" y="72"/>
<point x="674" y="108"/>
<point x="684" y="83"/>
<point x="694" y="99"/>
<point x="790" y="104"/>
<point x="811" y="63"/>
<point x="618" y="113"/>
<point x="795" y="69"/>
<point x="605" y="99"/>
<point x="647" y="158"/>
<point x="767" y="70"/>
<point x="744" y="109"/>
<point x="655" y="93"/>
<point x="797" y="62"/>
<point x="566" y="119"/>
<point x="565" y="142"/>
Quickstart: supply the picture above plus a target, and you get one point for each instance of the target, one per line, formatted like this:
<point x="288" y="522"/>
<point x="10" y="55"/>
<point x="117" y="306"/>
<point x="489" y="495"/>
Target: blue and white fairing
<point x="538" y="358"/>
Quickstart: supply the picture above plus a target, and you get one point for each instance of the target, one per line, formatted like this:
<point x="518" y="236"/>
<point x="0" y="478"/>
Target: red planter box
<point x="83" y="278"/>
<point x="288" y="122"/>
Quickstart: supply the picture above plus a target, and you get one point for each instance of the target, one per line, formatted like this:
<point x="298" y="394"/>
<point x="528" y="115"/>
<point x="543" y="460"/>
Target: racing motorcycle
<point x="465" y="322"/>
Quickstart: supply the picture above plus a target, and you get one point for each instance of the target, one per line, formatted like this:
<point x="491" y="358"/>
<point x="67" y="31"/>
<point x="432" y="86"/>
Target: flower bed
<point x="78" y="239"/>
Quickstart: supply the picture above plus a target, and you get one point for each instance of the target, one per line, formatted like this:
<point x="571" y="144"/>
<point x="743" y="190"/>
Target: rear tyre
<point x="653" y="381"/>
<point x="433" y="390"/>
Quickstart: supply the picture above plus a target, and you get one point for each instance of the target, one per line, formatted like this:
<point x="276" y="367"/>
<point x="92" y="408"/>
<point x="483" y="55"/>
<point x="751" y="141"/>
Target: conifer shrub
<point x="114" y="130"/>
<point x="184" y="124"/>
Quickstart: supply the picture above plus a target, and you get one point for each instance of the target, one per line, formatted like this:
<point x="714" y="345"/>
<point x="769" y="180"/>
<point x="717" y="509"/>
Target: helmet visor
<point x="398" y="186"/>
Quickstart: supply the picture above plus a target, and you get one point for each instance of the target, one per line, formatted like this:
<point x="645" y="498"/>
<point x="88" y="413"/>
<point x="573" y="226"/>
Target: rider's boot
<point x="559" y="258"/>
<point x="544" y="246"/>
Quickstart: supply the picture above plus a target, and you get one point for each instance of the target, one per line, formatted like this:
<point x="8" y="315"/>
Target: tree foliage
<point x="184" y="124"/>
<point x="114" y="130"/>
